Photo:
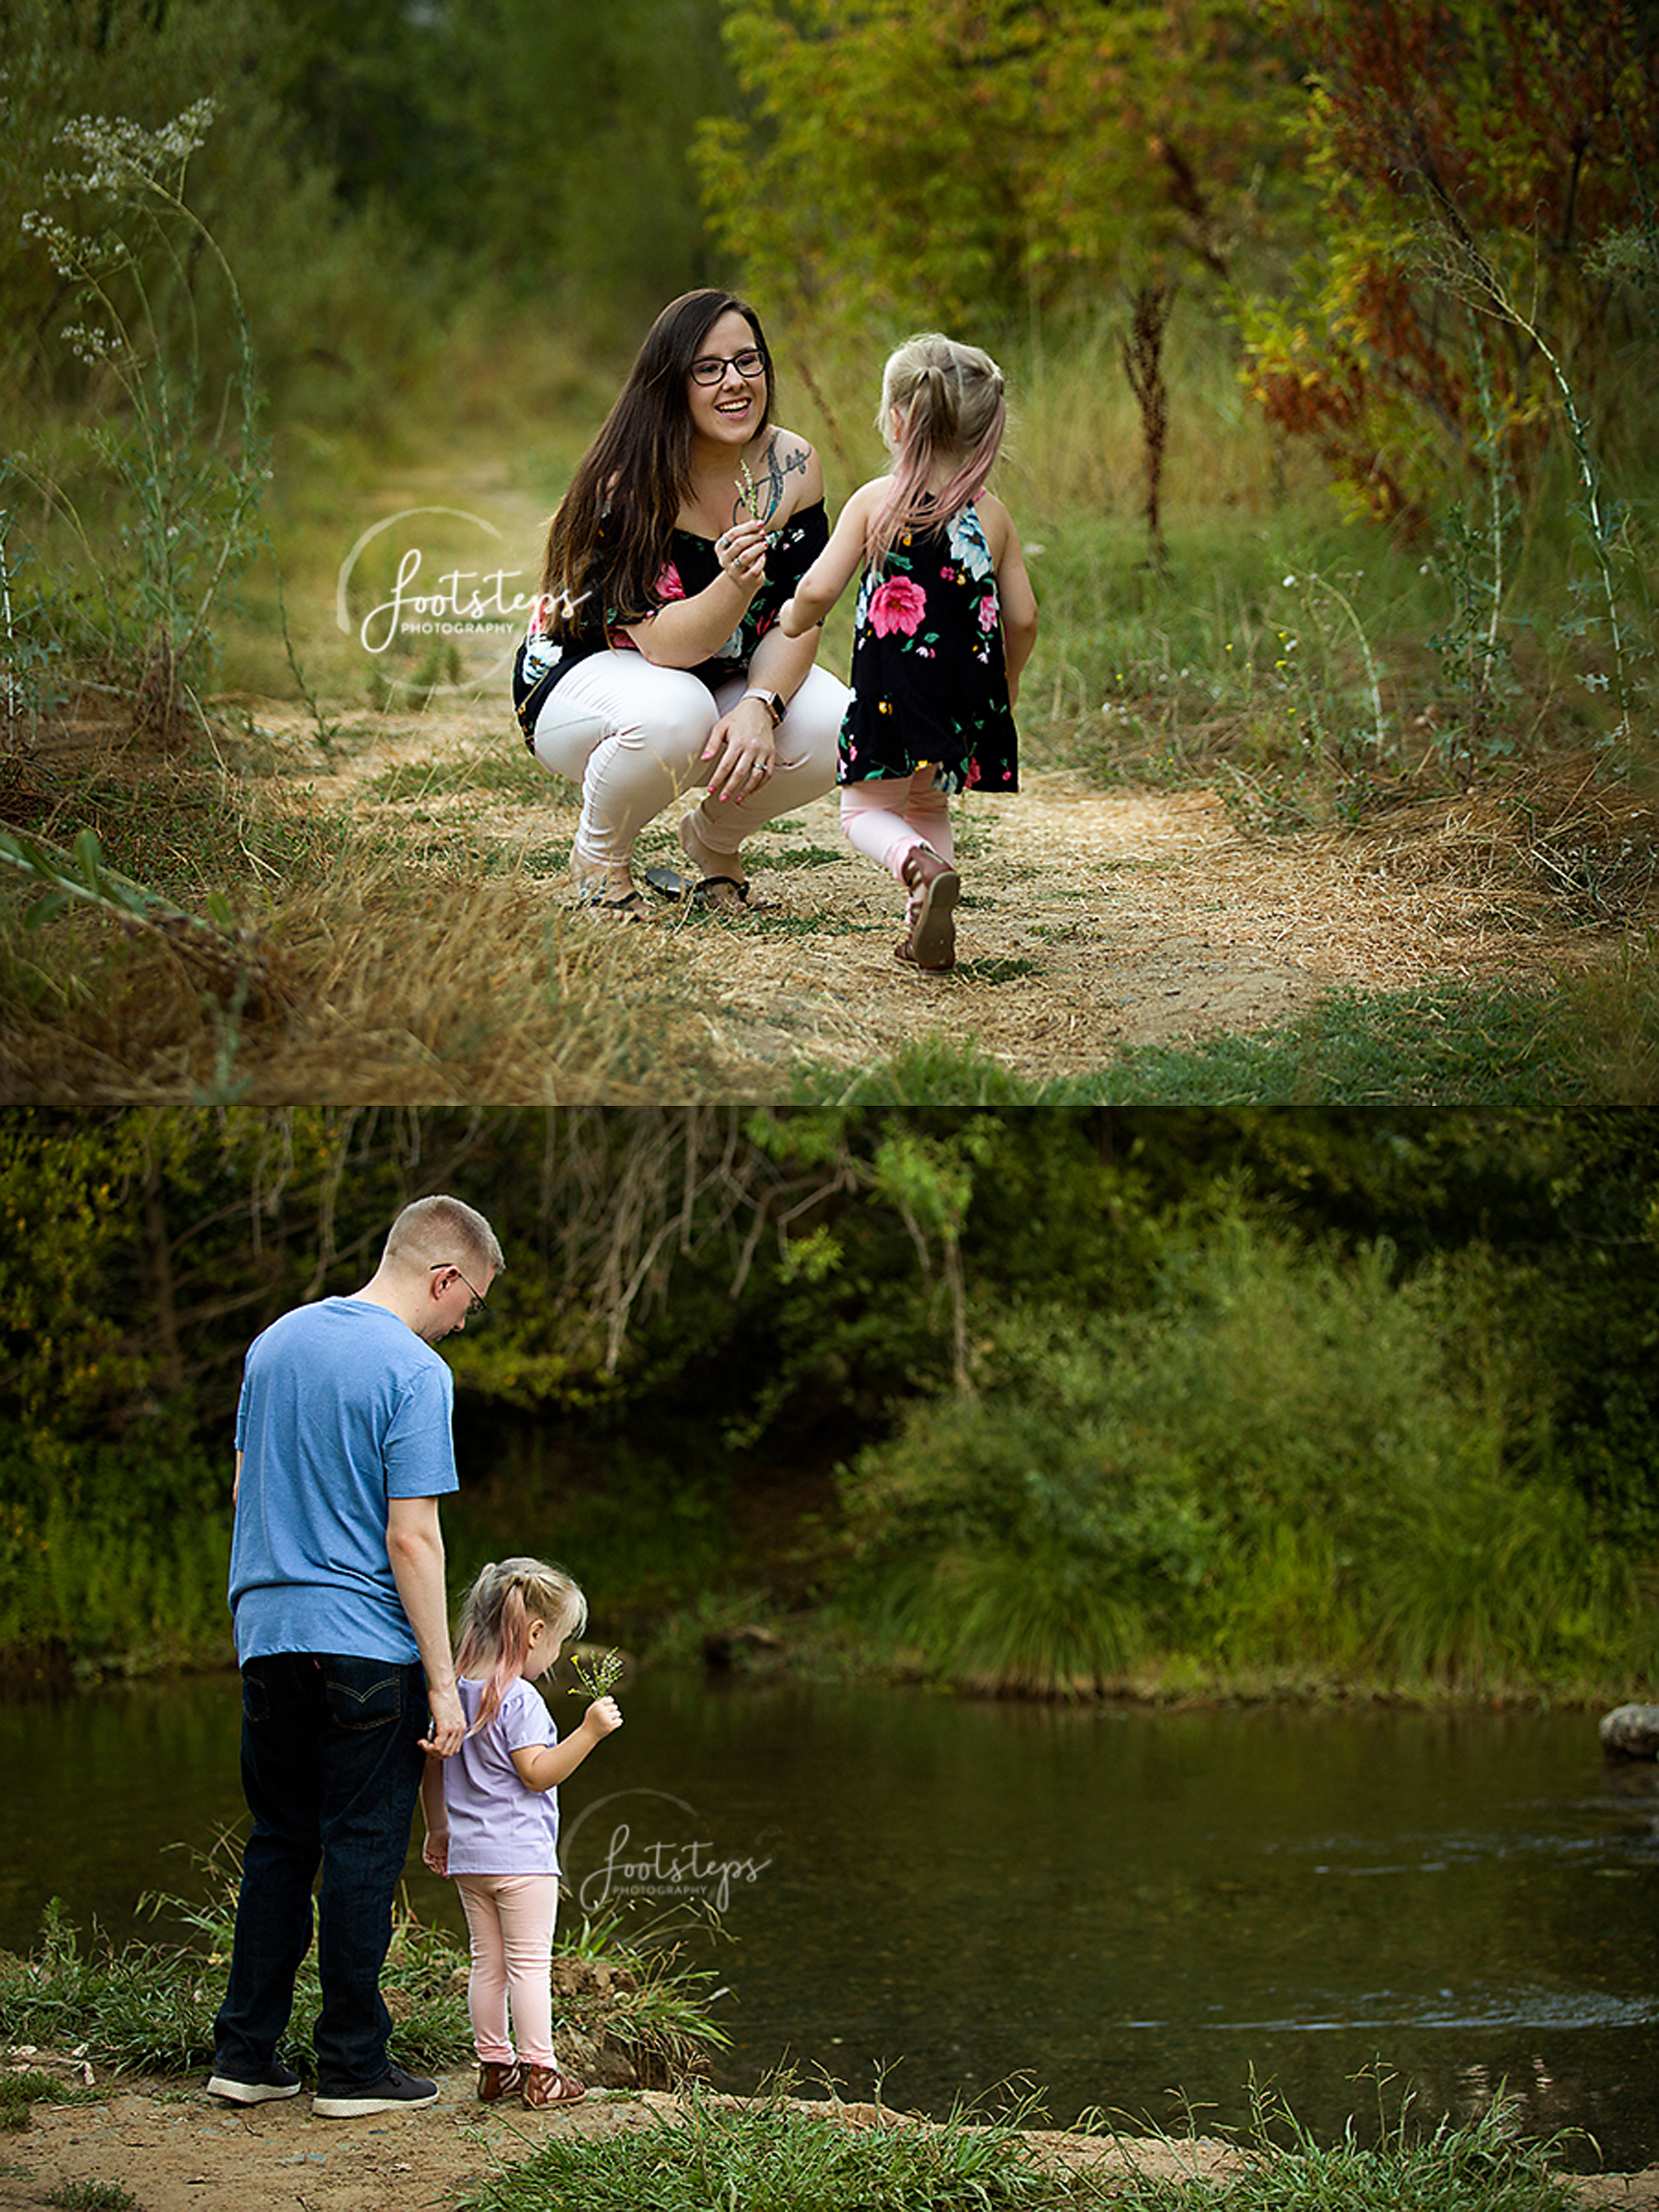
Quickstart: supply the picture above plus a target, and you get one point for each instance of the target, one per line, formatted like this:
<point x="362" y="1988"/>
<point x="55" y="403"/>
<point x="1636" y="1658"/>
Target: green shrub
<point x="1289" y="1462"/>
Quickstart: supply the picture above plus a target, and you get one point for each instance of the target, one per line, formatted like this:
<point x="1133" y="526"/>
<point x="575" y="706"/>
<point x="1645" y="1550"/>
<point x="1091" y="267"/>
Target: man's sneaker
<point x="275" y="2081"/>
<point x="395" y="2092"/>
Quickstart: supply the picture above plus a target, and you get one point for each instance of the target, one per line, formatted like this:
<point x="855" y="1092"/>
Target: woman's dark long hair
<point x="615" y="519"/>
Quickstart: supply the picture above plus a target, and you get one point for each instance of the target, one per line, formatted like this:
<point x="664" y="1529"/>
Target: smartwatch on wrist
<point x="771" y="701"/>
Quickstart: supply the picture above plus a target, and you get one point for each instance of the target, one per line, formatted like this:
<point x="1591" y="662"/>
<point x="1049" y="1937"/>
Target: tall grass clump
<point x="774" y="2155"/>
<point x="1482" y="2166"/>
<point x="1291" y="1467"/>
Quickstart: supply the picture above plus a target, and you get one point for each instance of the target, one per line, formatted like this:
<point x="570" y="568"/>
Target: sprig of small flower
<point x="123" y="153"/>
<point x="194" y="471"/>
<point x="749" y="495"/>
<point x="597" y="1673"/>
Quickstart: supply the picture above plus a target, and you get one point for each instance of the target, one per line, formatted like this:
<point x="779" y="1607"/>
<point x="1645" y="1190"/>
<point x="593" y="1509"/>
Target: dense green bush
<point x="1291" y="1463"/>
<point x="115" y="1554"/>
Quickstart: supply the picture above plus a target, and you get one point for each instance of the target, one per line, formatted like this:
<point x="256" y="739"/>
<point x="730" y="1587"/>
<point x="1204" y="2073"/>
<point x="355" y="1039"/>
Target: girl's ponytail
<point x="951" y="408"/>
<point x="496" y="1617"/>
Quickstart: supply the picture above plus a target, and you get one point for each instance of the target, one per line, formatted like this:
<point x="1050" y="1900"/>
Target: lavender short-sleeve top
<point x="497" y="1825"/>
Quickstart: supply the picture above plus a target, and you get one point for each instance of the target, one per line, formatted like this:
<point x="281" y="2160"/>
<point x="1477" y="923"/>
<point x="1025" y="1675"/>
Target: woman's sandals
<point x="929" y="941"/>
<point x="593" y="893"/>
<point x="720" y="893"/>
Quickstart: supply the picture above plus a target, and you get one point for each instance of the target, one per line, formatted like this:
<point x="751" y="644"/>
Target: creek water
<point x="1138" y="1911"/>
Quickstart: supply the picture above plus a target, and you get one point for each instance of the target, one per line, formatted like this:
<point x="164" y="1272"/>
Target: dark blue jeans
<point x="331" y="1767"/>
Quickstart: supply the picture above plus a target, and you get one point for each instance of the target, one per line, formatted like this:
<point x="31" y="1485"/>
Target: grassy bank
<point x="148" y="2007"/>
<point x="145" y="2010"/>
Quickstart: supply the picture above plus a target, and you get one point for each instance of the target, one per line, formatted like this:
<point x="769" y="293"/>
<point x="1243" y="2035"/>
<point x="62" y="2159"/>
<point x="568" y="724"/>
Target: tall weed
<point x="183" y="461"/>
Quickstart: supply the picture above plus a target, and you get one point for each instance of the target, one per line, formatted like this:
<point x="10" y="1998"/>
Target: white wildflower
<point x="122" y="153"/>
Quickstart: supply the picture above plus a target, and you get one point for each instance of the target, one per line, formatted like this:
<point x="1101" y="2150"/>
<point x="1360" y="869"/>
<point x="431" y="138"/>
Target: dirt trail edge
<point x="177" y="2149"/>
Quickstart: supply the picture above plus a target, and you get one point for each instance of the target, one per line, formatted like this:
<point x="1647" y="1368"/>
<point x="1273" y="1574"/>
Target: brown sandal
<point x="496" y="2079"/>
<point x="545" y="2084"/>
<point x="930" y="937"/>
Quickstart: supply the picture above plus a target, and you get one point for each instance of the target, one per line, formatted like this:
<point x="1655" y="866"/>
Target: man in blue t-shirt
<point x="337" y="1588"/>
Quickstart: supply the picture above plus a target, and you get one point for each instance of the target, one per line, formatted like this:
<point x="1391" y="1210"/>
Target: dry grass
<point x="475" y="991"/>
<point x="377" y="971"/>
<point x="415" y="940"/>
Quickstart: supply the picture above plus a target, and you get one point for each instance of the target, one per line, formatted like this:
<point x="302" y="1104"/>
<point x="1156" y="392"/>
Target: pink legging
<point x="887" y="817"/>
<point x="510" y="1917"/>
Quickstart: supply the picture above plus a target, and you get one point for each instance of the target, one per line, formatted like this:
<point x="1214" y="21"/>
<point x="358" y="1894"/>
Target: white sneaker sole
<point x="248" y="2092"/>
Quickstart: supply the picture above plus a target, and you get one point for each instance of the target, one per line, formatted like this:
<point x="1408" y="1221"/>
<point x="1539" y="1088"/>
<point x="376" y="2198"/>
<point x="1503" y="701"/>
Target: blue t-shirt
<point x="497" y="1824"/>
<point x="342" y="1408"/>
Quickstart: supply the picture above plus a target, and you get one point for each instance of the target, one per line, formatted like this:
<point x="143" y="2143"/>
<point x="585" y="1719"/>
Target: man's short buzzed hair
<point x="441" y="1231"/>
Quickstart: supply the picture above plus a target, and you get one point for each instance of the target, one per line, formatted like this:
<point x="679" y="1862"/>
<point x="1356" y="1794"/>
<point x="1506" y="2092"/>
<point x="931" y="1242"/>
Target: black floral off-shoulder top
<point x="691" y="567"/>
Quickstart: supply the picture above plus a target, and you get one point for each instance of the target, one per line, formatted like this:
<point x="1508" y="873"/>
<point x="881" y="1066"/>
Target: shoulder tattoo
<point x="778" y="464"/>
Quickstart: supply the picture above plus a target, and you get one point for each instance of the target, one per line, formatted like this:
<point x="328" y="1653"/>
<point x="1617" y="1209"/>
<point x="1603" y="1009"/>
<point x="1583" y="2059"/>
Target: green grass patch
<point x="1443" y="1045"/>
<point x="1438" y="1045"/>
<point x="801" y="925"/>
<point x="33" y="2084"/>
<point x="91" y="2196"/>
<point x="804" y="856"/>
<point x="774" y="2155"/>
<point x="930" y="1074"/>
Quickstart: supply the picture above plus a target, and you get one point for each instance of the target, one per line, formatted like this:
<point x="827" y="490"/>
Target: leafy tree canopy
<point x="959" y="163"/>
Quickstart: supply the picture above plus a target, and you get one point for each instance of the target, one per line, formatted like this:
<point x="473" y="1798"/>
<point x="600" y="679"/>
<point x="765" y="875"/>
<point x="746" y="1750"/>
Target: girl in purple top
<point x="492" y="1816"/>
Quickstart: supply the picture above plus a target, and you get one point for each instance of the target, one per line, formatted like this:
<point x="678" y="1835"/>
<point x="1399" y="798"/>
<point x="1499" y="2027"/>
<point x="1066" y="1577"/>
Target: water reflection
<point x="1134" y="1908"/>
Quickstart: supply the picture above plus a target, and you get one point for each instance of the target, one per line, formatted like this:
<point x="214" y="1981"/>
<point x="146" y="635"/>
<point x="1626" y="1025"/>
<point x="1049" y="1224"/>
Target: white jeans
<point x="632" y="734"/>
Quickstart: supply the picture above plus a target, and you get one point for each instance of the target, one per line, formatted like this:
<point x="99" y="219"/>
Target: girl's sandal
<point x="545" y="2084"/>
<point x="497" y="2079"/>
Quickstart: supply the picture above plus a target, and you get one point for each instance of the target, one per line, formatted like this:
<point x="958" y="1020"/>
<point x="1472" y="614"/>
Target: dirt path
<point x="1089" y="924"/>
<point x="177" y="2149"/>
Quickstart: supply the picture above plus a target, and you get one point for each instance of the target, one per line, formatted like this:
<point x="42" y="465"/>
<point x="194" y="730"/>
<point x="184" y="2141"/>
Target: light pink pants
<point x="509" y="1919"/>
<point x="887" y="817"/>
<point x="632" y="734"/>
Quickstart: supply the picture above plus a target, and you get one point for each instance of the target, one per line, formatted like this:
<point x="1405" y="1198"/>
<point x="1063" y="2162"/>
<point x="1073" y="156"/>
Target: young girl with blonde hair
<point x="492" y="1815"/>
<point x="945" y="621"/>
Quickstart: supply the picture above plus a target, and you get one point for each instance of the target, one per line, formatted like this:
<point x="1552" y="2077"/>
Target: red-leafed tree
<point x="1476" y="158"/>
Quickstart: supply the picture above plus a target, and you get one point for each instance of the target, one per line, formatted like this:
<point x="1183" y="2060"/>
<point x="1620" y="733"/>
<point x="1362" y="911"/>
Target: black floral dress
<point x="929" y="681"/>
